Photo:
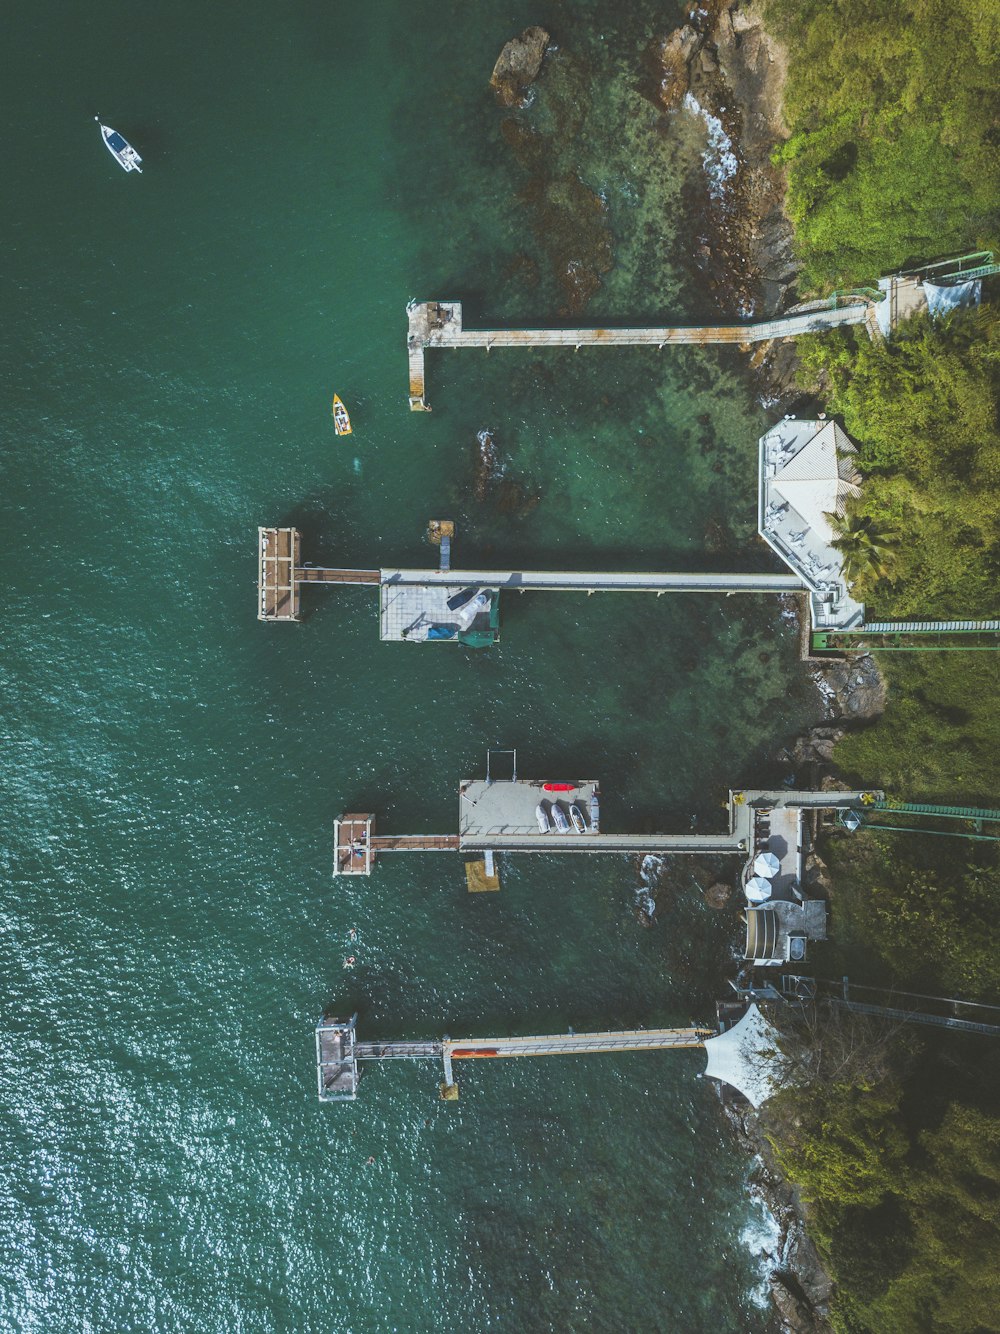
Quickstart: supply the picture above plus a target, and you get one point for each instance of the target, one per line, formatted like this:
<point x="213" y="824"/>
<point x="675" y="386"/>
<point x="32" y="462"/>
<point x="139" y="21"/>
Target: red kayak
<point x="559" y="787"/>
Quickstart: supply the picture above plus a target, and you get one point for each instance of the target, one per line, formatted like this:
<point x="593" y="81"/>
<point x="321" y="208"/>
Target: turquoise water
<point x="170" y="927"/>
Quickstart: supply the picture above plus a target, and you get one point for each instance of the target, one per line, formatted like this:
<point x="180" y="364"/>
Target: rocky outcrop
<point x="518" y="66"/>
<point x="801" y="1289"/>
<point x="723" y="66"/>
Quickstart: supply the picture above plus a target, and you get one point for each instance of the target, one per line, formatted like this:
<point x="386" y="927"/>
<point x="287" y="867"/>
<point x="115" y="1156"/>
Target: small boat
<point x="120" y="148"/>
<point x="559" y="787"/>
<point x="341" y="421"/>
<point x="576" y="815"/>
<point x="542" y="816"/>
<point x="560" y="818"/>
<point x="595" y="812"/>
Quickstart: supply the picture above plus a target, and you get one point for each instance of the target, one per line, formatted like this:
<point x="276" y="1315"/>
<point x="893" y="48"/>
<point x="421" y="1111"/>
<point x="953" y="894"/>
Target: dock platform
<point x="281" y="573"/>
<point x="354" y="844"/>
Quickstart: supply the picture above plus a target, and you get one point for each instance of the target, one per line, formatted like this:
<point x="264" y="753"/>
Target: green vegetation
<point x="907" y="1216"/>
<point x="894" y="154"/>
<point x="894" y="159"/>
<point x="924" y="411"/>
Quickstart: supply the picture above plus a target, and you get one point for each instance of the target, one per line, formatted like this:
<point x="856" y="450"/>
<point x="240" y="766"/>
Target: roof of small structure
<point x="819" y="478"/>
<point x="744" y="1055"/>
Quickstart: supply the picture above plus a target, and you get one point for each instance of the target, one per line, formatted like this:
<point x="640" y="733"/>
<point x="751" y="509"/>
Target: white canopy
<point x="745" y="1057"/>
<point x="757" y="889"/>
<point x="766" y="864"/>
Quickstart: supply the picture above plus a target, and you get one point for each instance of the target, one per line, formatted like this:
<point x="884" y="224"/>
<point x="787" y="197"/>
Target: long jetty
<point x="439" y="324"/>
<point x="338" y="1052"/>
<point x="499" y="816"/>
<point x="281" y="575"/>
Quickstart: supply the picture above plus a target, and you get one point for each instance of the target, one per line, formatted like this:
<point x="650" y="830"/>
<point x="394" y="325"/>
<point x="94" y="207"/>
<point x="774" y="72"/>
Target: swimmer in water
<point x="350" y="961"/>
<point x="352" y="933"/>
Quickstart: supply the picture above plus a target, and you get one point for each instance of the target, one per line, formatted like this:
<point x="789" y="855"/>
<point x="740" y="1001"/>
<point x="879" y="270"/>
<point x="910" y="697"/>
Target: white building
<point x="806" y="472"/>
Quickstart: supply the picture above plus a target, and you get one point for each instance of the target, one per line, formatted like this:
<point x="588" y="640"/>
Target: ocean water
<point x="170" y="928"/>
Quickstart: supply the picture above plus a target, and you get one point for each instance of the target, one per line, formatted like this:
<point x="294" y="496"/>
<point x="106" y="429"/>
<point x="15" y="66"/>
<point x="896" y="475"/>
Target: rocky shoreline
<point x="724" y="66"/>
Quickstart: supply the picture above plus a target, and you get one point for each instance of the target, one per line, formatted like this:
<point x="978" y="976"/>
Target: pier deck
<point x="277" y="583"/>
<point x="354" y="844"/>
<point x="439" y="324"/>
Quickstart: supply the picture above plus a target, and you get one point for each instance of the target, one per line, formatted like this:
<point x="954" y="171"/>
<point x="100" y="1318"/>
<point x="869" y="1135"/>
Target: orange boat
<point x="467" y="1053"/>
<point x="341" y="421"/>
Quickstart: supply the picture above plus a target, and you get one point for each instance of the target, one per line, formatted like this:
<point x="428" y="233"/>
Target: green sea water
<point x="170" y="928"/>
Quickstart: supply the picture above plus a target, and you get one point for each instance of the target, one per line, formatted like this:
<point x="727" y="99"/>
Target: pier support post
<point x="449" y="1089"/>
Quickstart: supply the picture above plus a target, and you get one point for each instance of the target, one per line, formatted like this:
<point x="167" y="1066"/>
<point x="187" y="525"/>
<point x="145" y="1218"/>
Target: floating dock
<point x="439" y="324"/>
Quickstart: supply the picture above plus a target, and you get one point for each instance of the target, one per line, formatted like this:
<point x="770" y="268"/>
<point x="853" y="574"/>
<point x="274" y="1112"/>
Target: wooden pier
<point x="281" y="572"/>
<point x="354" y="844"/>
<point x="439" y="324"/>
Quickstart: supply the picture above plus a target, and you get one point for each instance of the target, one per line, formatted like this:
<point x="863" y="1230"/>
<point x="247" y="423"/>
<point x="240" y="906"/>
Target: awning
<point x="746" y="1057"/>
<point x="762" y="934"/>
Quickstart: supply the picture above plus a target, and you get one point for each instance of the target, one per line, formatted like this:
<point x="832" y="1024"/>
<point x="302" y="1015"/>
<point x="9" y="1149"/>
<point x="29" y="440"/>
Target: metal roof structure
<point x="806" y="472"/>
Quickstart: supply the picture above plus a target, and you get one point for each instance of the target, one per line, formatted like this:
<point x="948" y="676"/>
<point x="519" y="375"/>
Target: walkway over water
<point x="481" y="829"/>
<point x="439" y="324"/>
<point x="281" y="575"/>
<point x="338" y="1052"/>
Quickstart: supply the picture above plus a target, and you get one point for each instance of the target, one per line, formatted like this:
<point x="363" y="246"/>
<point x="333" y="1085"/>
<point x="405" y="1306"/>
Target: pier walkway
<point x="499" y="816"/>
<point x="338" y="1052"/>
<point x="439" y="324"/>
<point x="281" y="575"/>
<point x="593" y="581"/>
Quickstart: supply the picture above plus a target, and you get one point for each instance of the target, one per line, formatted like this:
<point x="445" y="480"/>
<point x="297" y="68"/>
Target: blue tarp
<point x="441" y="632"/>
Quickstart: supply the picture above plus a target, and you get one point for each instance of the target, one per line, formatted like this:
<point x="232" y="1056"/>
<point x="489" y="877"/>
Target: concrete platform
<point x="409" y="612"/>
<point x="487" y="810"/>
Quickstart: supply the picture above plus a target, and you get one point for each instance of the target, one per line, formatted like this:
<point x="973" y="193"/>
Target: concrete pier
<point x="439" y="324"/>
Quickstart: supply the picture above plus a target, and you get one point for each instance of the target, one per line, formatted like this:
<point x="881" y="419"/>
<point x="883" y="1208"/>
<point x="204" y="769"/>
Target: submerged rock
<point x="518" y="66"/>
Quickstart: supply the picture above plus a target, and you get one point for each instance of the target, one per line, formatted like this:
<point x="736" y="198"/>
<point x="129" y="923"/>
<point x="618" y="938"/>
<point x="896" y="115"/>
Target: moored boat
<point x="559" y="787"/>
<point x="595" y="812"/>
<point x="542" y="816"/>
<point x="120" y="148"/>
<point x="560" y="818"/>
<point x="576" y="815"/>
<point x="341" y="421"/>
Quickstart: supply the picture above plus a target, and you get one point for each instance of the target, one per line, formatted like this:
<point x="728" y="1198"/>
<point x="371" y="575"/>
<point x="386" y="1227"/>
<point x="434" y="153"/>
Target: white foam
<point x="719" y="160"/>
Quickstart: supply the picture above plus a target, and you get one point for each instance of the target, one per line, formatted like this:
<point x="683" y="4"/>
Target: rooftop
<point x="805" y="473"/>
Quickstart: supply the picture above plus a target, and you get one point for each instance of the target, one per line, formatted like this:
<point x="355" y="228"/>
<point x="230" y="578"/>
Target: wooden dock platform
<point x="281" y="573"/>
<point x="415" y="843"/>
<point x="439" y="324"/>
<point x="354" y="844"/>
<point x="278" y="558"/>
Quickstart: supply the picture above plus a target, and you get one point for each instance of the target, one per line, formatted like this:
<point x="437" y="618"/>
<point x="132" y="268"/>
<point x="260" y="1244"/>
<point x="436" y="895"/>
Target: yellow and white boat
<point x="341" y="421"/>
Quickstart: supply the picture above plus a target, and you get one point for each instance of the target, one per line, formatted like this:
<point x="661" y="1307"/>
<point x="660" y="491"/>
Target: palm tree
<point x="865" y="548"/>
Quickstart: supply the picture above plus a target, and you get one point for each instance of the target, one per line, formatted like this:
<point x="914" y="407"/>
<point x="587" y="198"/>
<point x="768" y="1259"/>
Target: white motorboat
<point x="120" y="148"/>
<point x="576" y="815"/>
<point x="560" y="818"/>
<point x="542" y="816"/>
<point x="595" y="812"/>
